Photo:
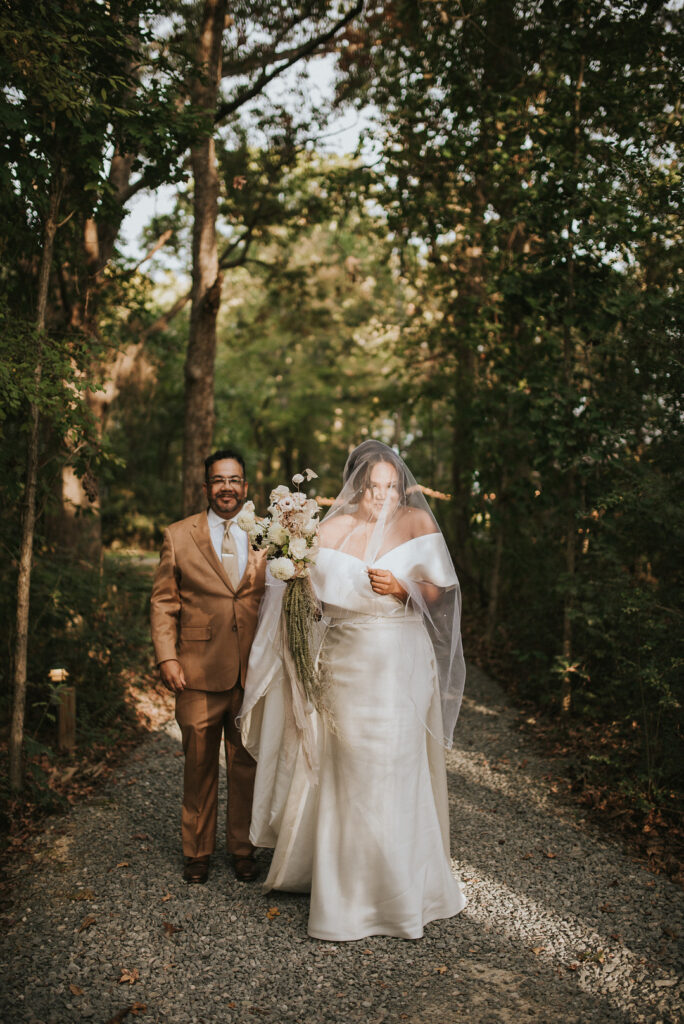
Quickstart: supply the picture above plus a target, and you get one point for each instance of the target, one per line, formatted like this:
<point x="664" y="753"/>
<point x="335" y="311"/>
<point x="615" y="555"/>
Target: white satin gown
<point x="367" y="833"/>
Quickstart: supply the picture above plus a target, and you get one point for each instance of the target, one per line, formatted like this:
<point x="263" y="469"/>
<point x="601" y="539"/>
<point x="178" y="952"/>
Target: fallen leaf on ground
<point x="550" y="855"/>
<point x="538" y="949"/>
<point x="128" y="976"/>
<point x="86" y="923"/>
<point x="135" y="1009"/>
<point x="272" y="913"/>
<point x="527" y="856"/>
<point x="141" y="835"/>
<point x="123" y="864"/>
<point x="167" y="897"/>
<point x="441" y="969"/>
<point x="170" y="928"/>
<point x="118" y="1017"/>
<point x="75" y="990"/>
<point x="573" y="967"/>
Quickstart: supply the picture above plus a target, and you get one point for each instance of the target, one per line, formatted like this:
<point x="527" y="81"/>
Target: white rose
<point x="282" y="568"/>
<point x="298" y="547"/>
<point x="299" y="499"/>
<point x="310" y="527"/>
<point x="277" y="534"/>
<point x="278" y="492"/>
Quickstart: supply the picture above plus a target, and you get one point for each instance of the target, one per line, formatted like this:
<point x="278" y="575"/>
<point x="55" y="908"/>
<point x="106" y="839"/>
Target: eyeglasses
<point x="233" y="481"/>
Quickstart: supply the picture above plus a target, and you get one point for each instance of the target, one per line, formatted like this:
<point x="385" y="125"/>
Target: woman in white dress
<point x="354" y="802"/>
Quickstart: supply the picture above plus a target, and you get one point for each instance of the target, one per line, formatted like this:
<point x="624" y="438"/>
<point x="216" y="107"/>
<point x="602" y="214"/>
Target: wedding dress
<point x="365" y="828"/>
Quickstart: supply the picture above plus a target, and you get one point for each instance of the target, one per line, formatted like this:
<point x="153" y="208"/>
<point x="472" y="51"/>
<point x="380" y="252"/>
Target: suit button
<point x="234" y="628"/>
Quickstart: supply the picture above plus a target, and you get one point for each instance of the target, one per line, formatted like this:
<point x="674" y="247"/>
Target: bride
<point x="354" y="802"/>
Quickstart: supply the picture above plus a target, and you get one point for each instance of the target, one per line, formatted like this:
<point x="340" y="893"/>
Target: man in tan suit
<point x="205" y="602"/>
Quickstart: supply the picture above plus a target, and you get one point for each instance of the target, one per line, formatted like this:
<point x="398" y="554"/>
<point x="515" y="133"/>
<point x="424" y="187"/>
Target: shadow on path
<point x="560" y="925"/>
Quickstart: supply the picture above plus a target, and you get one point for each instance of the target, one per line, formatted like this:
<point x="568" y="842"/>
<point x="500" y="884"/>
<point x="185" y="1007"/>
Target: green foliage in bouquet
<point x="300" y="611"/>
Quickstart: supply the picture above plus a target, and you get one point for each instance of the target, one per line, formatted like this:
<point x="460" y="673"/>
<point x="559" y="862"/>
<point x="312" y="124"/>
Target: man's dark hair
<point x="223" y="453"/>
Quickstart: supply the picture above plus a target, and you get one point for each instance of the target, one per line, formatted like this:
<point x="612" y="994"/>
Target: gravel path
<point x="561" y="925"/>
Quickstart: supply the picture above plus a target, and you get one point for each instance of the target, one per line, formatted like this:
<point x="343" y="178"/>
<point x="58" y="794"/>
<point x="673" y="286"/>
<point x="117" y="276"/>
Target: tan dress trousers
<point x="203" y="716"/>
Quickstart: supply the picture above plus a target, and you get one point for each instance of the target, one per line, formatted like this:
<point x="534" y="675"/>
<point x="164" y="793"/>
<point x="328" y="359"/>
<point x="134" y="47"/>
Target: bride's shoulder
<point x="335" y="529"/>
<point x="418" y="522"/>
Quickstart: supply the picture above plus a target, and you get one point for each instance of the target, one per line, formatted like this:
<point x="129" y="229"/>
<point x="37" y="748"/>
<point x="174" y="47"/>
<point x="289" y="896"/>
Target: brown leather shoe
<point x="196" y="870"/>
<point x="246" y="868"/>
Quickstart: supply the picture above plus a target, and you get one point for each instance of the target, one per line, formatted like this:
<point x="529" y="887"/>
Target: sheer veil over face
<point x="380" y="510"/>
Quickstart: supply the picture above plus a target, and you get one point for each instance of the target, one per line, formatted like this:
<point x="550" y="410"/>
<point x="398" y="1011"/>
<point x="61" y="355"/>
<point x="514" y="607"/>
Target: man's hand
<point x="172" y="675"/>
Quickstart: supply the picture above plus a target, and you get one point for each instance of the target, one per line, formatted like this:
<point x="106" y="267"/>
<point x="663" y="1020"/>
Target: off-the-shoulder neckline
<point x="391" y="551"/>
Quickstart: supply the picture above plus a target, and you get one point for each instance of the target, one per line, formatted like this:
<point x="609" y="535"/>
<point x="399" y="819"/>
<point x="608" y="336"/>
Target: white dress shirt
<point x="216" y="526"/>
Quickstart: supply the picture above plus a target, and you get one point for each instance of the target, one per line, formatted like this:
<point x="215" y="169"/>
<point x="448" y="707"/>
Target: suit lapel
<point x="250" y="569"/>
<point x="202" y="538"/>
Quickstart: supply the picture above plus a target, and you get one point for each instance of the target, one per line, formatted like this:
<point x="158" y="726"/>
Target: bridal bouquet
<point x="289" y="535"/>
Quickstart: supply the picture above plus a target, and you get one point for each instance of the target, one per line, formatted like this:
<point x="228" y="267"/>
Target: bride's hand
<point x="383" y="582"/>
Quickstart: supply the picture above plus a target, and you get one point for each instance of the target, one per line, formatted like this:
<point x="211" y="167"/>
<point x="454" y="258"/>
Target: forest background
<point x="489" y="283"/>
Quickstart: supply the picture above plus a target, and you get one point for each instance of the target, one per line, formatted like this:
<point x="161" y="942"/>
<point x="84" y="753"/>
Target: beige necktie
<point x="229" y="557"/>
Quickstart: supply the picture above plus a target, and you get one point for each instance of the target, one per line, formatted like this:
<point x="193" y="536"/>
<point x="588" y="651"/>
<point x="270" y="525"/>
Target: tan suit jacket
<point x="196" y="616"/>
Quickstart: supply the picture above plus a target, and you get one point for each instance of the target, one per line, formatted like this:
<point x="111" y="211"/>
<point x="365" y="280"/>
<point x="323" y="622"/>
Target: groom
<point x="205" y="602"/>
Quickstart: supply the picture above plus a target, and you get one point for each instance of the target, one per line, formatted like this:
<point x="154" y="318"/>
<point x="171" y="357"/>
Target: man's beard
<point x="226" y="504"/>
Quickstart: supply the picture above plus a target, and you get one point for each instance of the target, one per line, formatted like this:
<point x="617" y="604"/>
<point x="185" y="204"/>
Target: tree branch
<point x="149" y="175"/>
<point x="230" y="106"/>
<point x="161" y="241"/>
<point x="162" y="322"/>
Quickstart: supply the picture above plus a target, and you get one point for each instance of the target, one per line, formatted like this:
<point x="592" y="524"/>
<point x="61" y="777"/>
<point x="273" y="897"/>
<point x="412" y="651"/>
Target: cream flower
<point x="282" y="568"/>
<point x="245" y="518"/>
<point x="298" y="547"/>
<point x="310" y="475"/>
<point x="277" y="534"/>
<point x="286" y="504"/>
<point x="278" y="492"/>
<point x="297" y="478"/>
<point x="310" y="527"/>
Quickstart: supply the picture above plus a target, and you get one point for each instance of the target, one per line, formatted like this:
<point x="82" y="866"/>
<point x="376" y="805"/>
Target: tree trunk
<point x="495" y="576"/>
<point x="206" y="277"/>
<point x="568" y="365"/>
<point x="568" y="604"/>
<point x="462" y="462"/>
<point x="28" y="522"/>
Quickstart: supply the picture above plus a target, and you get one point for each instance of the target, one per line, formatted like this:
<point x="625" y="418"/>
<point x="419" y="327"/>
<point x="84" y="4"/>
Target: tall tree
<point x="206" y="279"/>
<point x="55" y="111"/>
<point x="528" y="158"/>
<point x="286" y="35"/>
